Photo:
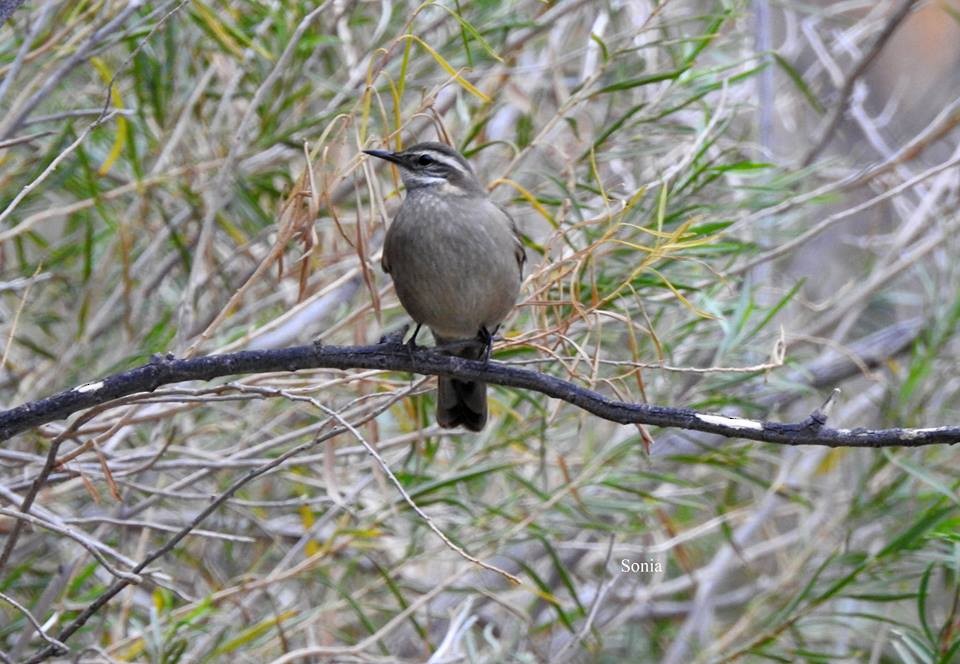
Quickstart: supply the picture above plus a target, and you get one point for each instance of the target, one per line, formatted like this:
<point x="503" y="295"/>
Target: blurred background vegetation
<point x="187" y="177"/>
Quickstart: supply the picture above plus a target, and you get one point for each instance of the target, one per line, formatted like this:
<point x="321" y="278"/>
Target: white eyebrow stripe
<point x="446" y="160"/>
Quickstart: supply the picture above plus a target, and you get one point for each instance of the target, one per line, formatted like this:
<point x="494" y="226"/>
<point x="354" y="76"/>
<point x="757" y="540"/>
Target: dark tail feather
<point x="461" y="403"/>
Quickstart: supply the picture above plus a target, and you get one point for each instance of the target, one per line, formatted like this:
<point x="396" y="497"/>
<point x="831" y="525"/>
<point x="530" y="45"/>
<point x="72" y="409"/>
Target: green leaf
<point x="922" y="602"/>
<point x="798" y="81"/>
<point x="643" y="80"/>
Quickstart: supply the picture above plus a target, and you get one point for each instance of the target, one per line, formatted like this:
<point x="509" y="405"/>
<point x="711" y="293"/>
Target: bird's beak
<point x="385" y="154"/>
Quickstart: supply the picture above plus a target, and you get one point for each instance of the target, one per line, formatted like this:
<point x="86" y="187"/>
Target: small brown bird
<point x="456" y="261"/>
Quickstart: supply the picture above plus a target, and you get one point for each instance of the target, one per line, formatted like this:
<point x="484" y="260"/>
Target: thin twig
<point x="20" y="140"/>
<point x="80" y="538"/>
<point x="216" y="194"/>
<point x="48" y="465"/>
<point x="389" y="473"/>
<point x="33" y="621"/>
<point x="108" y="29"/>
<point x="787" y="247"/>
<point x="567" y="650"/>
<point x="836" y="115"/>
<point x="51" y="167"/>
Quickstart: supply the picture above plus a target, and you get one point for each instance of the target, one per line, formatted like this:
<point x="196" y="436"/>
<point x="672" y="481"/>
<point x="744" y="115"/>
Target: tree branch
<point x="7" y="7"/>
<point x="393" y="356"/>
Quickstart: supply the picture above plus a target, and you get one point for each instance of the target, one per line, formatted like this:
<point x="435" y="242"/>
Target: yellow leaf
<point x="307" y="519"/>
<point x="447" y="67"/>
<point x="831" y="461"/>
<point x="251" y="633"/>
<point x="687" y="303"/>
<point x="220" y="33"/>
<point x="523" y="191"/>
<point x="134" y="650"/>
<point x="121" y="138"/>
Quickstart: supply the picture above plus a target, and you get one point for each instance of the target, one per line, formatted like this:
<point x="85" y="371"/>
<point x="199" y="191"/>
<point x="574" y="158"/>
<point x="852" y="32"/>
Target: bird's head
<point x="433" y="165"/>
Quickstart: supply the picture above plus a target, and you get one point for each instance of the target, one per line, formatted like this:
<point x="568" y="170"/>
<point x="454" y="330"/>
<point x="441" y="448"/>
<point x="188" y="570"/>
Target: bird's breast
<point x="452" y="262"/>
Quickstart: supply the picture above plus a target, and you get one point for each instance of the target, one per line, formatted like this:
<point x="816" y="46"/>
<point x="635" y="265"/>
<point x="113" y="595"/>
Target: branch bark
<point x="7" y="7"/>
<point x="394" y="356"/>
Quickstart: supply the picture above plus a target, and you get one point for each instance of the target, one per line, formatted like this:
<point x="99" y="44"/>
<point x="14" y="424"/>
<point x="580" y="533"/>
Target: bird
<point x="456" y="260"/>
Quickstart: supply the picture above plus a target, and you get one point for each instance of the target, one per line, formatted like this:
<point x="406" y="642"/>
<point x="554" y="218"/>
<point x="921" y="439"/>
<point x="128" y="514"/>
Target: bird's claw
<point x="412" y="342"/>
<point x="486" y="338"/>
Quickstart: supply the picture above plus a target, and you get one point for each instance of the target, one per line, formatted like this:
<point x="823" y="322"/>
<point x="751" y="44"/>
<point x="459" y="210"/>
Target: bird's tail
<point x="462" y="402"/>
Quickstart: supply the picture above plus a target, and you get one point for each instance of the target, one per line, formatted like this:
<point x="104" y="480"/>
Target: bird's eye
<point x="424" y="160"/>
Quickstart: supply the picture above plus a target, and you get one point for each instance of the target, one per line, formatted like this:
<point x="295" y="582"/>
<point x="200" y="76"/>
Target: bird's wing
<point x="385" y="249"/>
<point x="518" y="242"/>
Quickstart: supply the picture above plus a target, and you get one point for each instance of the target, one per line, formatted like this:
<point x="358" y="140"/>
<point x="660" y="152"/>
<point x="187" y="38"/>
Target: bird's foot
<point x="486" y="339"/>
<point x="411" y="345"/>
